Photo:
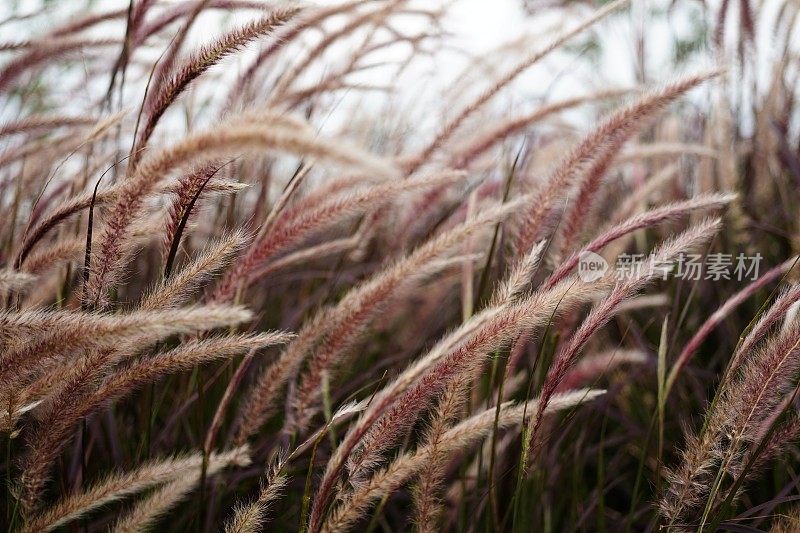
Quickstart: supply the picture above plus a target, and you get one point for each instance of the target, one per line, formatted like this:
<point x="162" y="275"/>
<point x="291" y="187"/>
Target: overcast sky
<point x="481" y="26"/>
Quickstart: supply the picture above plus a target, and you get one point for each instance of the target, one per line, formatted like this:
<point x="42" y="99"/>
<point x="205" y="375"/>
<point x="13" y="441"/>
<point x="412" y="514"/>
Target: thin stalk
<point x="306" y="507"/>
<point x="662" y="398"/>
<point x="327" y="407"/>
<point x="493" y="448"/>
<point x="482" y="285"/>
<point x="601" y="522"/>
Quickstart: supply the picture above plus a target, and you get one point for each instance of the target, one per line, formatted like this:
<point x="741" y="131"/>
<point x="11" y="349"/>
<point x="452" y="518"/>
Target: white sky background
<point x="479" y="27"/>
<point x="425" y="92"/>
